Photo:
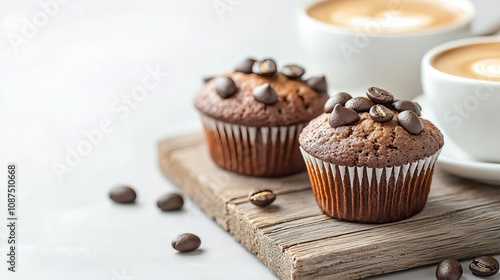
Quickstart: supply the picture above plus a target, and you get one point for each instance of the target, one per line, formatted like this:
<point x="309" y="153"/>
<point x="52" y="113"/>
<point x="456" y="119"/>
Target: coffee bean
<point x="245" y="66"/>
<point x="265" y="94"/>
<point x="266" y="67"/>
<point x="293" y="71"/>
<point x="338" y="98"/>
<point x="317" y="83"/>
<point x="225" y="87"/>
<point x="411" y="122"/>
<point x="379" y="96"/>
<point x="484" y="266"/>
<point x="207" y="79"/>
<point x="342" y="116"/>
<point x="261" y="198"/>
<point x="359" y="104"/>
<point x="122" y="194"/>
<point x="403" y="105"/>
<point x="449" y="269"/>
<point x="380" y="113"/>
<point x="170" y="202"/>
<point x="186" y="242"/>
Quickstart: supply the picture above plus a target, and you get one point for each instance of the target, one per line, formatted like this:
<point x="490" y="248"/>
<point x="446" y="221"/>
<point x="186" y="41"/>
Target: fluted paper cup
<point x="370" y="195"/>
<point x="268" y="151"/>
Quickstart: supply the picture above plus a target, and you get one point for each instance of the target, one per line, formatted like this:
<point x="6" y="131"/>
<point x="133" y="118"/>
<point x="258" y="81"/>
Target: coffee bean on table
<point x="170" y="202"/>
<point x="411" y="122"/>
<point x="186" y="242"/>
<point x="379" y="96"/>
<point x="245" y="66"/>
<point x="265" y="94"/>
<point x="484" y="266"/>
<point x="359" y="104"/>
<point x="266" y="67"/>
<point x="380" y="113"/>
<point x="317" y="83"/>
<point x="338" y="98"/>
<point x="342" y="116"/>
<point x="293" y="71"/>
<point x="122" y="194"/>
<point x="449" y="269"/>
<point x="225" y="87"/>
<point x="207" y="79"/>
<point x="403" y="105"/>
<point x="261" y="198"/>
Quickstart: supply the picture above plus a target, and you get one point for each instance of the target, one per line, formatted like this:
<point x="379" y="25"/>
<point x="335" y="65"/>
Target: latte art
<point x="387" y="16"/>
<point x="480" y="61"/>
<point x="487" y="67"/>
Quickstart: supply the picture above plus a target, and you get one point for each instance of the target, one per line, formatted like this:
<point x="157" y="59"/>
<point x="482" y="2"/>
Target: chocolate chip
<point x="245" y="66"/>
<point x="261" y="198"/>
<point x="449" y="269"/>
<point x="265" y="94"/>
<point x="208" y="79"/>
<point x="170" y="202"/>
<point x="484" y="266"/>
<point x="379" y="96"/>
<point x="123" y="194"/>
<point x="342" y="116"/>
<point x="225" y="87"/>
<point x="293" y="71"/>
<point x="186" y="242"/>
<point x="338" y="98"/>
<point x="317" y="83"/>
<point x="380" y="113"/>
<point x="411" y="122"/>
<point x="266" y="67"/>
<point x="403" y="105"/>
<point x="359" y="104"/>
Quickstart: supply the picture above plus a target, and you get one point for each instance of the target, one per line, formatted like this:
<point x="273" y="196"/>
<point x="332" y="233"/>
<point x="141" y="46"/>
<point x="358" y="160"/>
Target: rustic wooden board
<point x="297" y="241"/>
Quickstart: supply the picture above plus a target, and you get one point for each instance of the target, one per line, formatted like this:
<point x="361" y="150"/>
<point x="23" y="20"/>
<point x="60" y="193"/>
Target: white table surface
<point x="66" y="79"/>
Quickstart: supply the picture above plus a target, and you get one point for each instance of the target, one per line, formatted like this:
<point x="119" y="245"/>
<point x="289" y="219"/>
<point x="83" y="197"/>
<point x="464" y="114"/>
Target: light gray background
<point x="65" y="79"/>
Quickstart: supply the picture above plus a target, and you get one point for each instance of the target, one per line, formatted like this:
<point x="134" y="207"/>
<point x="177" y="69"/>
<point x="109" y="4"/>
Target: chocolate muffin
<point x="371" y="166"/>
<point x="252" y="117"/>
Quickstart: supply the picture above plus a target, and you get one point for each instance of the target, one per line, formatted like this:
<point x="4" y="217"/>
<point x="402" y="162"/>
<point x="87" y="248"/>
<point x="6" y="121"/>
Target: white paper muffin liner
<point x="370" y="195"/>
<point x="267" y="151"/>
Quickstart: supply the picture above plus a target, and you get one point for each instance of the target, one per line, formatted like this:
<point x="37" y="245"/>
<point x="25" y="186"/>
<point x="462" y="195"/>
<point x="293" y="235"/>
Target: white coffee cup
<point x="353" y="60"/>
<point x="466" y="109"/>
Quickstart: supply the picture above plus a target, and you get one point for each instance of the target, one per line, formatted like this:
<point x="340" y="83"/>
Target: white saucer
<point x="453" y="160"/>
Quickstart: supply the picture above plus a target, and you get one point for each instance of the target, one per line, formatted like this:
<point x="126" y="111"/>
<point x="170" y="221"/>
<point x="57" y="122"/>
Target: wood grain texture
<point x="297" y="241"/>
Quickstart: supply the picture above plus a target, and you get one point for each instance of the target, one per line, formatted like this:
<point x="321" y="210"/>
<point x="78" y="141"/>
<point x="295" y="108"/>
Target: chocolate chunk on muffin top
<point x="259" y="94"/>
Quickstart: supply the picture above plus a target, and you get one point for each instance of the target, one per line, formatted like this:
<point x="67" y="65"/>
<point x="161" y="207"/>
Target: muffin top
<point x="256" y="94"/>
<point x="379" y="132"/>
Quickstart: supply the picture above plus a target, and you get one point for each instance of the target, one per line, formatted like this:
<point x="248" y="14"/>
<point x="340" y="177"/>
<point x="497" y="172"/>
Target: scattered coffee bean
<point x="338" y="98"/>
<point x="342" y="116"/>
<point x="403" y="105"/>
<point x="266" y="67"/>
<point x="208" y="79"/>
<point x="411" y="122"/>
<point x="380" y="113"/>
<point x="484" y="266"/>
<point x="265" y="94"/>
<point x="379" y="96"/>
<point x="170" y="202"/>
<point x="225" y="87"/>
<point x="261" y="198"/>
<point x="245" y="66"/>
<point x="359" y="104"/>
<point x="122" y="194"/>
<point x="293" y="71"/>
<point x="186" y="242"/>
<point x="449" y="269"/>
<point x="317" y="83"/>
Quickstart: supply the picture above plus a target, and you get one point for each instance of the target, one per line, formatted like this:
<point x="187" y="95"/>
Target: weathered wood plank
<point x="296" y="241"/>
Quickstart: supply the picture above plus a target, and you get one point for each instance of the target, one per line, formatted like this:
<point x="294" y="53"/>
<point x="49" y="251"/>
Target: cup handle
<point x="493" y="30"/>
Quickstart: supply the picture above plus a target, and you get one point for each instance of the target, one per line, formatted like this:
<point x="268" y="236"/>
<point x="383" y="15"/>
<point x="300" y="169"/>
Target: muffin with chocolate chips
<point x="370" y="164"/>
<point x="252" y="116"/>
